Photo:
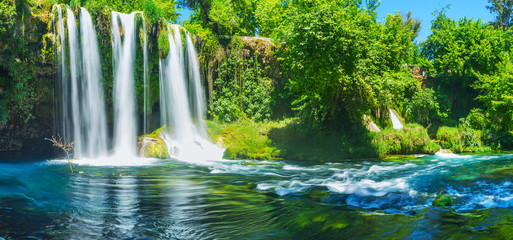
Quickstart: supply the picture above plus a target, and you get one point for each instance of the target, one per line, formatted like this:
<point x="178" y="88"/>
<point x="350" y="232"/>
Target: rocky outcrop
<point x="152" y="145"/>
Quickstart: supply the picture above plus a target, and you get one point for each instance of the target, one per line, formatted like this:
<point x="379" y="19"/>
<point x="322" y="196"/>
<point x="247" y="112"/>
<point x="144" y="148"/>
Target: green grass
<point x="460" y="140"/>
<point x="290" y="140"/>
<point x="244" y="140"/>
<point x="412" y="139"/>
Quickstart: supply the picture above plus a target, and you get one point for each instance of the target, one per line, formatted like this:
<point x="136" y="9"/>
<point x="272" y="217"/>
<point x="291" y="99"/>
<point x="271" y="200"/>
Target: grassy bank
<point x="289" y="140"/>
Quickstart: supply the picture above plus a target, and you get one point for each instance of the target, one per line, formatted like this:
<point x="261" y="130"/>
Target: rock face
<point x="26" y="84"/>
<point x="26" y="139"/>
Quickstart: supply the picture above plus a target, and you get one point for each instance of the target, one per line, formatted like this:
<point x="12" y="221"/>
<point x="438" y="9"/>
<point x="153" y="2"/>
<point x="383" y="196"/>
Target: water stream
<point x="255" y="200"/>
<point x="123" y="55"/>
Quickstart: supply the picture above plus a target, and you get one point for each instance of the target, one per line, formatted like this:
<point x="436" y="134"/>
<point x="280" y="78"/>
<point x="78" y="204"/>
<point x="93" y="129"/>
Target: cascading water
<point x="196" y="90"/>
<point x="181" y="94"/>
<point x="83" y="107"/>
<point x="183" y="139"/>
<point x="396" y="123"/>
<point x="93" y="116"/>
<point x="74" y="58"/>
<point x="60" y="43"/>
<point x="123" y="56"/>
<point x="146" y="79"/>
<point x="173" y="95"/>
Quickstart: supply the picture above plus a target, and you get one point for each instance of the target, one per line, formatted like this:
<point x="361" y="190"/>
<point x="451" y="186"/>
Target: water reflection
<point x="233" y="200"/>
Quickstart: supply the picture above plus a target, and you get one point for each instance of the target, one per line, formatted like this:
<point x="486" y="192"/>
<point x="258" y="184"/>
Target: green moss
<point x="290" y="140"/>
<point x="443" y="201"/>
<point x="163" y="43"/>
<point x="152" y="145"/>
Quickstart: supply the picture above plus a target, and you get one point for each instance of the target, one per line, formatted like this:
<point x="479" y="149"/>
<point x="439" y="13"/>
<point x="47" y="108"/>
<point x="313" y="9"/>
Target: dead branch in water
<point x="65" y="145"/>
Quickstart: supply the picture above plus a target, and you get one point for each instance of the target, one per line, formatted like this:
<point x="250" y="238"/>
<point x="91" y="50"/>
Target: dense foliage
<point x="329" y="63"/>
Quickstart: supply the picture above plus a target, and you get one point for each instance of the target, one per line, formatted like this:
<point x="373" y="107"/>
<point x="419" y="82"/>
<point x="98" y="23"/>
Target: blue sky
<point x="421" y="10"/>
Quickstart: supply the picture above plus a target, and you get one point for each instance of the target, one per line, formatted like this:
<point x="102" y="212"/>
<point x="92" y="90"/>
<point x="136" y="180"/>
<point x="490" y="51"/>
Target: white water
<point x="92" y="118"/>
<point x="146" y="79"/>
<point x="123" y="57"/>
<point x="74" y="56"/>
<point x="182" y="97"/>
<point x="196" y="90"/>
<point x="396" y="122"/>
<point x="183" y="139"/>
<point x="60" y="43"/>
<point x="83" y="107"/>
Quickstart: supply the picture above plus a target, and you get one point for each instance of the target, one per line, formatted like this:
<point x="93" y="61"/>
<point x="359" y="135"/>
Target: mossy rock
<point x="152" y="145"/>
<point x="443" y="201"/>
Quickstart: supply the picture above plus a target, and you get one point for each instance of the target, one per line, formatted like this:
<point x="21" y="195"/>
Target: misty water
<point x="228" y="199"/>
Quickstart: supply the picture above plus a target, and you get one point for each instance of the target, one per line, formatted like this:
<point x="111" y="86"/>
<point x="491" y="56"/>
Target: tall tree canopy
<point x="503" y="9"/>
<point x="343" y="63"/>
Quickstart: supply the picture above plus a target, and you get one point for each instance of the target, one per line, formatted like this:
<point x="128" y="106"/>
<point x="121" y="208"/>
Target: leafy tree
<point x="504" y="11"/>
<point x="423" y="107"/>
<point x="457" y="50"/>
<point x="497" y="95"/>
<point x="7" y="14"/>
<point x="224" y="17"/>
<point x="338" y="55"/>
<point x="273" y="17"/>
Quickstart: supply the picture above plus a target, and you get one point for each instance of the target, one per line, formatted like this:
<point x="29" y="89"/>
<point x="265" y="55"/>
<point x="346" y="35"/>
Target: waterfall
<point x="146" y="79"/>
<point x="196" y="89"/>
<point x="74" y="63"/>
<point x="184" y="139"/>
<point x="60" y="43"/>
<point x="396" y="122"/>
<point x="83" y="106"/>
<point x="93" y="116"/>
<point x="182" y="99"/>
<point x="173" y="95"/>
<point x="123" y="57"/>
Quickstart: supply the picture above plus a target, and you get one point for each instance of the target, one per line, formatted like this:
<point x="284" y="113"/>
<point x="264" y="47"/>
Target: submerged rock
<point x="443" y="201"/>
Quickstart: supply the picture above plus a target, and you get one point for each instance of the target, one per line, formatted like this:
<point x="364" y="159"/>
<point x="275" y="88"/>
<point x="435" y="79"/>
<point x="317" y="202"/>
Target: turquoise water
<point x="170" y="199"/>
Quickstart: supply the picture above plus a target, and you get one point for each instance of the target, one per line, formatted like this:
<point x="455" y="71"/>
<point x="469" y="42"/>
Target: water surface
<point x="170" y="199"/>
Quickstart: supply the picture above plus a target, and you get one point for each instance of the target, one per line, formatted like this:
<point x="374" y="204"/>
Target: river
<point x="228" y="199"/>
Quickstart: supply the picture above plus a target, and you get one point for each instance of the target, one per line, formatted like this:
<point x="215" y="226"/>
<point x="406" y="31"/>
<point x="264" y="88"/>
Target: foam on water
<point x="110" y="161"/>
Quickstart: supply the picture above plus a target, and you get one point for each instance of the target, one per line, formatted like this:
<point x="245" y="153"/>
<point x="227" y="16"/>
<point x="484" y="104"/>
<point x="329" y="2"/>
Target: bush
<point x="462" y="139"/>
<point x="423" y="107"/>
<point x="450" y="138"/>
<point x="412" y="139"/>
<point x="163" y="43"/>
<point x="241" y="90"/>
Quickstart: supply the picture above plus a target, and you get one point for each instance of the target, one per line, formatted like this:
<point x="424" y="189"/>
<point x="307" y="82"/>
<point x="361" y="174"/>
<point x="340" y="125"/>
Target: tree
<point x="460" y="49"/>
<point x="7" y="14"/>
<point x="339" y="58"/>
<point x="504" y="12"/>
<point x="224" y="17"/>
<point x="497" y="95"/>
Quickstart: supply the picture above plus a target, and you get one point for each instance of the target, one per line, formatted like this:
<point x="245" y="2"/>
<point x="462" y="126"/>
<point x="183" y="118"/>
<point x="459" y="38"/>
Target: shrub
<point x="412" y="139"/>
